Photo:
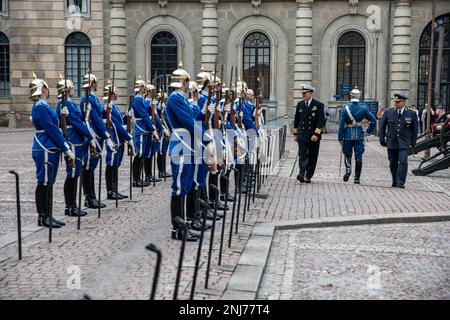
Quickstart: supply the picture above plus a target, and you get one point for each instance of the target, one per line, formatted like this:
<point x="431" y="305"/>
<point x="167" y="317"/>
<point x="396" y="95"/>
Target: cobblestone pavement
<point x="109" y="251"/>
<point x="398" y="261"/>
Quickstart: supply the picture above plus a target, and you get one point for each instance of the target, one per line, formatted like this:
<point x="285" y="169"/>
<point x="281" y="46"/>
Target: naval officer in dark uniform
<point x="402" y="128"/>
<point x="308" y="124"/>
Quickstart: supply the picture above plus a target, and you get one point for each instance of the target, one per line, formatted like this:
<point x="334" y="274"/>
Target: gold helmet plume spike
<point x="61" y="77"/>
<point x="34" y="76"/>
<point x="202" y="69"/>
<point x="180" y="65"/>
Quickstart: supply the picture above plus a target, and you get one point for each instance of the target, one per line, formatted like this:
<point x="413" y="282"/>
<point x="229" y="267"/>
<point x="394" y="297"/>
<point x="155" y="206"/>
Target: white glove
<point x="111" y="145"/>
<point x="211" y="108"/>
<point x="129" y="113"/>
<point x="65" y="111"/>
<point x="241" y="114"/>
<point x="227" y="108"/>
<point x="89" y="106"/>
<point x="70" y="155"/>
<point x="210" y="154"/>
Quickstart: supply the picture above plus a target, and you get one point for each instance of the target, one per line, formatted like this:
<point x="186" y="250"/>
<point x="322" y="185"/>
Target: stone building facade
<point x="301" y="41"/>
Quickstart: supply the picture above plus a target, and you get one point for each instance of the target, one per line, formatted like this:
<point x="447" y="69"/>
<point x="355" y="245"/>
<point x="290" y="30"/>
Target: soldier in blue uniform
<point x="77" y="134"/>
<point x="402" y="128"/>
<point x="48" y="143"/>
<point x="181" y="117"/>
<point x="308" y="124"/>
<point x="351" y="133"/>
<point x="143" y="130"/>
<point x="120" y="136"/>
<point x="92" y="116"/>
<point x="154" y="141"/>
<point x="164" y="137"/>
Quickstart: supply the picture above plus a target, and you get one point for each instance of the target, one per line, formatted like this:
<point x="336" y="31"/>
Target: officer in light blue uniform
<point x="77" y="134"/>
<point x="92" y="115"/>
<point x="181" y="118"/>
<point x="351" y="133"/>
<point x="402" y="129"/>
<point x="154" y="141"/>
<point x="120" y="136"/>
<point x="48" y="143"/>
<point x="143" y="133"/>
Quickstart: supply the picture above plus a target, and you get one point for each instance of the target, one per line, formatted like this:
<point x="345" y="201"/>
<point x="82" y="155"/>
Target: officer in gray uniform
<point x="402" y="128"/>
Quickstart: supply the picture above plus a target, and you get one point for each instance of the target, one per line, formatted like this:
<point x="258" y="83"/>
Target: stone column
<point x="209" y="34"/>
<point x="303" y="46"/>
<point x="401" y="47"/>
<point x="118" y="50"/>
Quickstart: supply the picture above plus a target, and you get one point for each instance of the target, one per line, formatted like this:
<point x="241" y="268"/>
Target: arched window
<point x="257" y="61"/>
<point x="78" y="59"/>
<point x="441" y="94"/>
<point x="4" y="66"/>
<point x="164" y="58"/>
<point x="351" y="63"/>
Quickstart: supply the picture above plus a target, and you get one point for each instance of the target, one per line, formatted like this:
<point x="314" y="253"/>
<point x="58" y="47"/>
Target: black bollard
<point x="19" y="225"/>
<point x="227" y="184"/>
<point x="50" y="229"/>
<point x="116" y="178"/>
<point x="178" y="221"/>
<point x="246" y="171"/>
<point x="241" y="177"/>
<point x="234" y="205"/>
<point x="131" y="176"/>
<point x="153" y="248"/>
<point x="79" y="193"/>
<point x="204" y="206"/>
<point x="100" y="185"/>
<point x="164" y="166"/>
<point x="154" y="169"/>
<point x="211" y="240"/>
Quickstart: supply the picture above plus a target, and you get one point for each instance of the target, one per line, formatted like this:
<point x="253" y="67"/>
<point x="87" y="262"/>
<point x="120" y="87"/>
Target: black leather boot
<point x="358" y="168"/>
<point x="116" y="183"/>
<point x="71" y="204"/>
<point x="41" y="198"/>
<point x="148" y="171"/>
<point x="137" y="168"/>
<point x="348" y="168"/>
<point x="177" y="210"/>
<point x="91" y="199"/>
<point x="50" y="206"/>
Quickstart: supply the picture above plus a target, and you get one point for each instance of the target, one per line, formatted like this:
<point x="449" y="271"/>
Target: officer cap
<point x="306" y="88"/>
<point x="399" y="97"/>
<point x="355" y="93"/>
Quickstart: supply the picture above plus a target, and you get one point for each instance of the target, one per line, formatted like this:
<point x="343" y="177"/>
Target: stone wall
<point x="37" y="31"/>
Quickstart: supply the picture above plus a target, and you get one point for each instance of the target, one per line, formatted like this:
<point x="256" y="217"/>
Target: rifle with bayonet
<point x="87" y="91"/>
<point x="108" y="103"/>
<point x="129" y="120"/>
<point x="64" y="93"/>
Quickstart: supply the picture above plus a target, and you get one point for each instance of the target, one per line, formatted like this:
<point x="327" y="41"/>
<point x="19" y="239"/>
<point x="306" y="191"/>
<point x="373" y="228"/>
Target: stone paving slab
<point x="393" y="261"/>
